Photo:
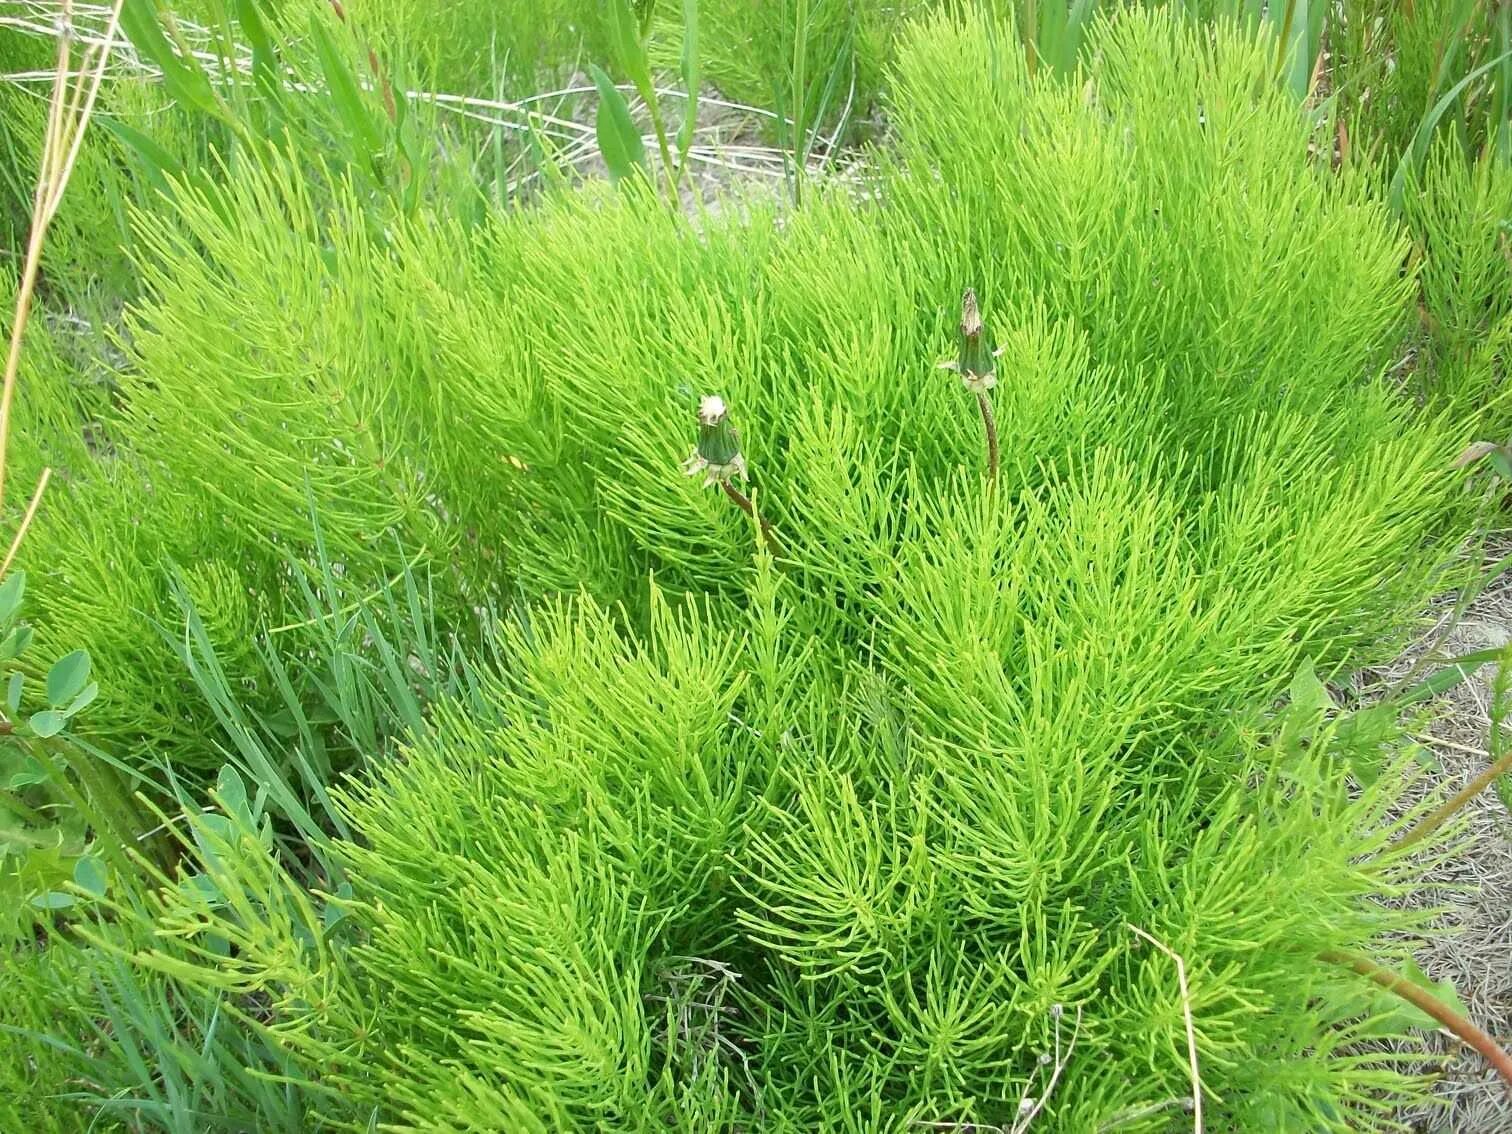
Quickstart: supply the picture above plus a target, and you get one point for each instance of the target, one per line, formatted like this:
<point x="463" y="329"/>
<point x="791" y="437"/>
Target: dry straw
<point x="69" y="110"/>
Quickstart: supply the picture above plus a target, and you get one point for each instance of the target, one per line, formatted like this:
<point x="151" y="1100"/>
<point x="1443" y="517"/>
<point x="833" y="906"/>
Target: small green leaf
<point x="1370" y="727"/>
<point x="83" y="700"/>
<point x="282" y="723"/>
<point x="30" y="772"/>
<point x="1366" y="766"/>
<point x="53" y="900"/>
<point x="1308" y="694"/>
<point x="90" y="876"/>
<point x="619" y="141"/>
<point x="1441" y="990"/>
<point x="334" y="910"/>
<point x="231" y="791"/>
<point x="48" y="723"/>
<point x="1426" y="759"/>
<point x="11" y="593"/>
<point x="15" y="643"/>
<point x="201" y="889"/>
<point x="66" y="678"/>
<point x="219" y="827"/>
<point x="13" y="693"/>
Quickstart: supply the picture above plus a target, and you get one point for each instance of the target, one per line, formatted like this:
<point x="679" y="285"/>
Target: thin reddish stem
<point x="989" y="423"/>
<point x="1422" y="999"/>
<point x="1451" y="807"/>
<point x="743" y="502"/>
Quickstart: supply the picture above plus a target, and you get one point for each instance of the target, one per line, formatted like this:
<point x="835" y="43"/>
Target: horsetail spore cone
<point x="976" y="364"/>
<point x="717" y="456"/>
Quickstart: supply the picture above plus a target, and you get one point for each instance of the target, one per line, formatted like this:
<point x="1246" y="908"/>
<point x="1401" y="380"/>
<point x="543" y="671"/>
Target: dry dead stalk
<point x="1029" y="1108"/>
<point x="26" y="520"/>
<point x="1191" y="1031"/>
<point x="69" y="111"/>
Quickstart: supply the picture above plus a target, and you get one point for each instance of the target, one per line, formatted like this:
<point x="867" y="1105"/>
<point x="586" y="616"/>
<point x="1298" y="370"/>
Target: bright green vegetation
<point x="495" y="774"/>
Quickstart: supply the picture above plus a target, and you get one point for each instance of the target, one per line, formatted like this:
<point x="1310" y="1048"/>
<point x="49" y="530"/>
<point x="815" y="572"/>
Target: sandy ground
<point x="1473" y="945"/>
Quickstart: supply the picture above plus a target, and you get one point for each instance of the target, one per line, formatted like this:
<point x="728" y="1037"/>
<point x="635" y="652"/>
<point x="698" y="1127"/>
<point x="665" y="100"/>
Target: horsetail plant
<point x="893" y="804"/>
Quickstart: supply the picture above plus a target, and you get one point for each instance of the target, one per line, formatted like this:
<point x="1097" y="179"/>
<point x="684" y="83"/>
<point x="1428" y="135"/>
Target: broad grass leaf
<point x="619" y="141"/>
<point x="346" y="96"/>
<point x="185" y="81"/>
<point x="264" y="55"/>
<point x="1413" y="157"/>
<point x="157" y="165"/>
<point x="1453" y="674"/>
<point x="628" y="42"/>
<point x="690" y="78"/>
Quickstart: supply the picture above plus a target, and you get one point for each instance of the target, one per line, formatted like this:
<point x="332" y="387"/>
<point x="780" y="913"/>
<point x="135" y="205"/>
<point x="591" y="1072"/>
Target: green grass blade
<point x="1413" y="158"/>
<point x="691" y="79"/>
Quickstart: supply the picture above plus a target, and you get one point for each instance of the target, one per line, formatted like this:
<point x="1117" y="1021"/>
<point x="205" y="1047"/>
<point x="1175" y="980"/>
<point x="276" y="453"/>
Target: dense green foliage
<point x="1463" y="213"/>
<point x="510" y="778"/>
